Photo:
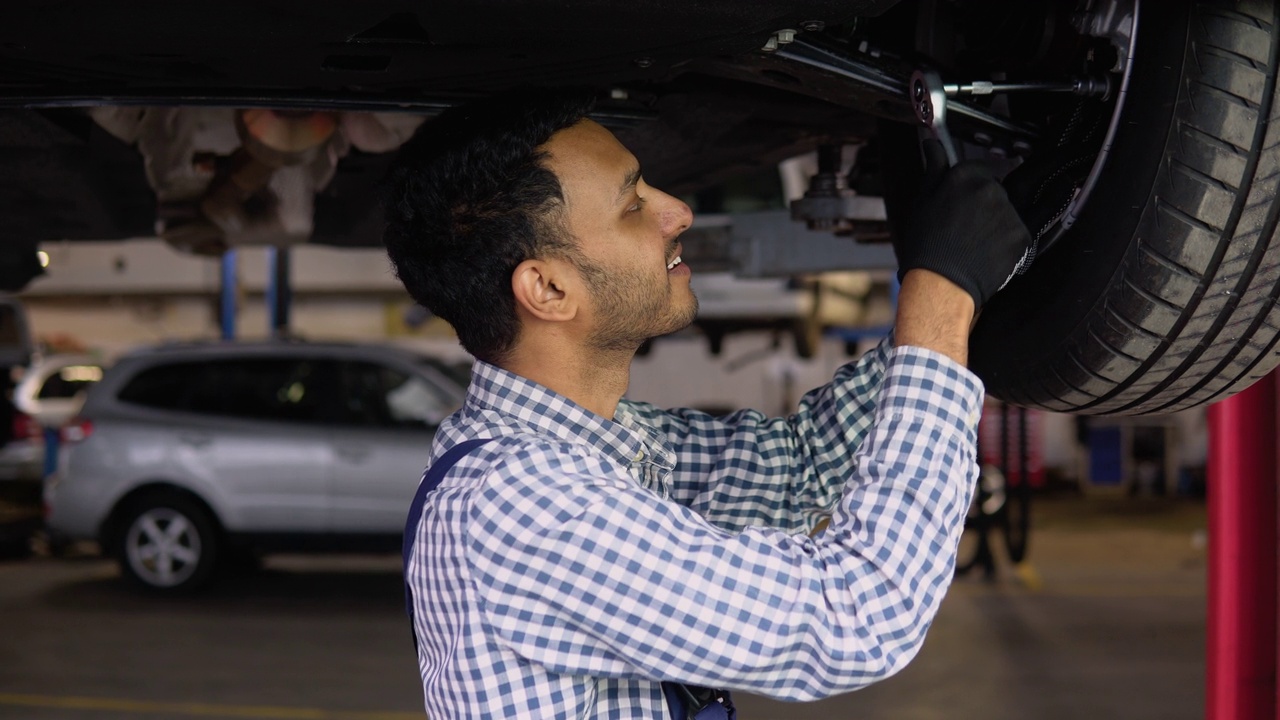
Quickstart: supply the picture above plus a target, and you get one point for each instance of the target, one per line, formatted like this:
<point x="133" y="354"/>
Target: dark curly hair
<point x="467" y="199"/>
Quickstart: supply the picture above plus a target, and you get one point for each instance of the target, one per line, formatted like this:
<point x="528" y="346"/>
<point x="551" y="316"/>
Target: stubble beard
<point x="633" y="309"/>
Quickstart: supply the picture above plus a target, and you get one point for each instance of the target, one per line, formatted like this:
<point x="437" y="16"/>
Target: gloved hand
<point x="964" y="228"/>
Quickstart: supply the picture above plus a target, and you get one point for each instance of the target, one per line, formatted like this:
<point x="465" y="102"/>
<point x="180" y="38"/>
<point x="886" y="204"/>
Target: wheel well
<point x="111" y="526"/>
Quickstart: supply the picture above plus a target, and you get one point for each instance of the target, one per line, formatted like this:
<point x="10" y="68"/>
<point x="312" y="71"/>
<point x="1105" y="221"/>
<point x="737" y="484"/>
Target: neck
<point x="593" y="378"/>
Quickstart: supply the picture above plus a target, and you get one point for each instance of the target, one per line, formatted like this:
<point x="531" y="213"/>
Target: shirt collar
<point x="550" y="413"/>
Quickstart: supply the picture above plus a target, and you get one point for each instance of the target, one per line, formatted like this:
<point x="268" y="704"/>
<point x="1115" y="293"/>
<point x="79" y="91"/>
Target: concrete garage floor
<point x="1108" y="622"/>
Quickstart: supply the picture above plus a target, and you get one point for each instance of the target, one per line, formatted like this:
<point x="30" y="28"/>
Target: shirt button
<point x="639" y="456"/>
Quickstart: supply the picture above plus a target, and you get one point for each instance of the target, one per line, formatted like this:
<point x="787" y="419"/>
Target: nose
<point x="676" y="216"/>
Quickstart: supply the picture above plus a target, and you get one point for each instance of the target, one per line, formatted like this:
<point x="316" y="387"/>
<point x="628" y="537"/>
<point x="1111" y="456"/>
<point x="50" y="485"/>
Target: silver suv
<point x="186" y="456"/>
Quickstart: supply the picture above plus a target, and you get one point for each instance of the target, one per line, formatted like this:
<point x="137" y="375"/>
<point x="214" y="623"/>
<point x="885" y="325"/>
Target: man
<point x="597" y="547"/>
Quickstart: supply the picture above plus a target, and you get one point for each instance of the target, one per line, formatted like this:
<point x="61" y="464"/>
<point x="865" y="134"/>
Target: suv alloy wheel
<point x="167" y="543"/>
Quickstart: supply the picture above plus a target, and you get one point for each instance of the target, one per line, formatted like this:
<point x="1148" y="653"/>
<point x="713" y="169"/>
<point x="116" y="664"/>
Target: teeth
<point x="674" y="263"/>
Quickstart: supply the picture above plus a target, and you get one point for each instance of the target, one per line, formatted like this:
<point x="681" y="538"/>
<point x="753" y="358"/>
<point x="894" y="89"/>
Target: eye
<point x="636" y="206"/>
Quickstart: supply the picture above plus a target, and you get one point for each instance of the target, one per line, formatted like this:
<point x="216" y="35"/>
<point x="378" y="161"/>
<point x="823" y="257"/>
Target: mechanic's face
<point x="627" y="234"/>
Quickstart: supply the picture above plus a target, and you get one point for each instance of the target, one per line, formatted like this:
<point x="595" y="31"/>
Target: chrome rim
<point x="163" y="547"/>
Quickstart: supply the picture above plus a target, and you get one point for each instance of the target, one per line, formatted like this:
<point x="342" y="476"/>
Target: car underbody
<point x="1133" y="143"/>
<point x="123" y="129"/>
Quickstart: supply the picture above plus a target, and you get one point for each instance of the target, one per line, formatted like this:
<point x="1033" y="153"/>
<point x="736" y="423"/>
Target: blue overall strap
<point x="691" y="702"/>
<point x="435" y="474"/>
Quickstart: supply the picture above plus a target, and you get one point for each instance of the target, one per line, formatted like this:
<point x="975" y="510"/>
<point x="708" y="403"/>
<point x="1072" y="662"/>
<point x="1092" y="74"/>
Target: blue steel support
<point x="229" y="292"/>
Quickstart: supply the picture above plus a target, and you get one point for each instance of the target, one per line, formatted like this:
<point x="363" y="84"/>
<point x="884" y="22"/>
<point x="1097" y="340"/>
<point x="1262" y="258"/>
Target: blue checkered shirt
<point x="566" y="568"/>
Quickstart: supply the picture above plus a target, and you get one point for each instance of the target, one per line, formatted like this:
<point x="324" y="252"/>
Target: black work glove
<point x="964" y="228"/>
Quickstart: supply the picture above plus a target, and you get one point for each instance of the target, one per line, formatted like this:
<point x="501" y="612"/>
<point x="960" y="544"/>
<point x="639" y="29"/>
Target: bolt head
<point x="643" y="62"/>
<point x="785" y="36"/>
<point x="812" y="25"/>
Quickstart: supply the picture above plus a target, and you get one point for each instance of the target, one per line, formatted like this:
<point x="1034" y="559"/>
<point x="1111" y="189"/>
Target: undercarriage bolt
<point x="786" y="36"/>
<point x="812" y="25"/>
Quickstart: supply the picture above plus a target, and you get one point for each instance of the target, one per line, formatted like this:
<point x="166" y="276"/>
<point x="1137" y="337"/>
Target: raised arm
<point x="749" y="469"/>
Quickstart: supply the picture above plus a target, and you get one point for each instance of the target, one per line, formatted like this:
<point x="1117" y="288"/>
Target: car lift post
<point x="228" y="291"/>
<point x="1242" y="641"/>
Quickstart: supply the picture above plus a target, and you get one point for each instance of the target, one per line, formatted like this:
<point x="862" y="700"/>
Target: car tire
<point x="985" y="507"/>
<point x="1163" y="295"/>
<point x="167" y="543"/>
<point x="1015" y="522"/>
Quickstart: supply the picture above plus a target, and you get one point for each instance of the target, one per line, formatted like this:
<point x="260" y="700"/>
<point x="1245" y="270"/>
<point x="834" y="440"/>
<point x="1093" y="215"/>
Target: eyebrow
<point x="629" y="183"/>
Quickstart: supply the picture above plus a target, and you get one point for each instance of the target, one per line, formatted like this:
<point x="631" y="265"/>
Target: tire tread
<point x="1207" y="239"/>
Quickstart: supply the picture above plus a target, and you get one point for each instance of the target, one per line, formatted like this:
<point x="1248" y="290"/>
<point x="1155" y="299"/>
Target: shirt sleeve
<point x="582" y="571"/>
<point x="749" y="469"/>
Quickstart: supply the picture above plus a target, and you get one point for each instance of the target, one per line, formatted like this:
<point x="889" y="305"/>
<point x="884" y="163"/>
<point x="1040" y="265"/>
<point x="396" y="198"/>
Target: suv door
<point x="386" y="423"/>
<point x="253" y="429"/>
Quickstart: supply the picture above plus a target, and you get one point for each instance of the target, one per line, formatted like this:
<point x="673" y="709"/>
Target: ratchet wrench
<point x="929" y="100"/>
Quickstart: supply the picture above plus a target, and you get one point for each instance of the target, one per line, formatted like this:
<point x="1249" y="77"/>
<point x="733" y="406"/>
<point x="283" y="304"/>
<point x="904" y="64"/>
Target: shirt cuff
<point x="920" y="381"/>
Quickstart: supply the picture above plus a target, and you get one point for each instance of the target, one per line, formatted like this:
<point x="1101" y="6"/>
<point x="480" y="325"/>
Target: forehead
<point x="588" y="159"/>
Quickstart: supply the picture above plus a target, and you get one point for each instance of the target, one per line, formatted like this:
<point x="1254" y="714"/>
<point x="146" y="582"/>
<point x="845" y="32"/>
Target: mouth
<point x="676" y="260"/>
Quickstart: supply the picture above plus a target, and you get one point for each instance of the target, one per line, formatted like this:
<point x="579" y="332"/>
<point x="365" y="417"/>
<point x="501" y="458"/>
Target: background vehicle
<point x="52" y="390"/>
<point x="48" y="394"/>
<point x="1135" y="136"/>
<point x="21" y="442"/>
<point x="187" y="455"/>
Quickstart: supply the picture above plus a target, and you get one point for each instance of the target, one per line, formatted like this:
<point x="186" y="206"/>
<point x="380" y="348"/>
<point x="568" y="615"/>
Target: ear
<point x="545" y="289"/>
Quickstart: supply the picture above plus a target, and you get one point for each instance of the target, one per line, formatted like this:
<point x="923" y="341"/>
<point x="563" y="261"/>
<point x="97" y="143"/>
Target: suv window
<point x="278" y="389"/>
<point x="384" y="396"/>
<point x="161" y="387"/>
<point x="68" y="381"/>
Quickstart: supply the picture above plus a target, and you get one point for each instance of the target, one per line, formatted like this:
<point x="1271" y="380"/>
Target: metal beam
<point x="771" y="244"/>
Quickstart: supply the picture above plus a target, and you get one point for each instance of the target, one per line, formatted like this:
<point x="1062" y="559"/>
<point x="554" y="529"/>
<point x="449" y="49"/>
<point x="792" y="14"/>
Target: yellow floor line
<point x="255" y="712"/>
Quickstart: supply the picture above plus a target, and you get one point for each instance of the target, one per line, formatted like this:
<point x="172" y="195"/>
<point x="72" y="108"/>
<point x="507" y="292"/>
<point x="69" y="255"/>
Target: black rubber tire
<point x="1163" y="295"/>
<point x="974" y="550"/>
<point x="975" y="544"/>
<point x="1015" y="522"/>
<point x="198" y="523"/>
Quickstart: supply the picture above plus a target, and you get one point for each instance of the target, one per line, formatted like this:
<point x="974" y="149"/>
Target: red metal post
<point x="1243" y="553"/>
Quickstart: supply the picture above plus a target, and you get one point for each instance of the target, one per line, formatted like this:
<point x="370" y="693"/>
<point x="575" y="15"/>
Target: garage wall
<point x="110" y="297"/>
